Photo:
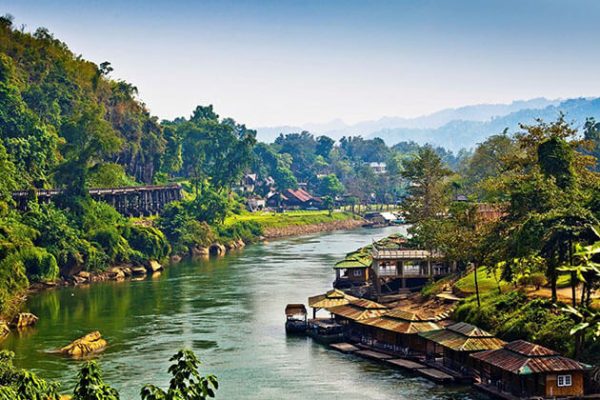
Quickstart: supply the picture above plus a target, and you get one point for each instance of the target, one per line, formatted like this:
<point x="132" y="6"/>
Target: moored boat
<point x="296" y="319"/>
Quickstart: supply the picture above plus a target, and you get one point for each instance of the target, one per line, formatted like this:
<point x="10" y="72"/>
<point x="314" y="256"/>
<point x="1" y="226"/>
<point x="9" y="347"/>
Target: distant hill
<point x="457" y="134"/>
<point x="454" y="128"/>
<point x="480" y="112"/>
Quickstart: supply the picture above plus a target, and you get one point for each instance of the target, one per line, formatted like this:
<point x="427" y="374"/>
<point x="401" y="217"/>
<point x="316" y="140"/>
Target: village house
<point x="526" y="370"/>
<point x="396" y="331"/>
<point x="255" y="203"/>
<point x="294" y="199"/>
<point x="379" y="168"/>
<point x="455" y="343"/>
<point x="395" y="267"/>
<point x="352" y="271"/>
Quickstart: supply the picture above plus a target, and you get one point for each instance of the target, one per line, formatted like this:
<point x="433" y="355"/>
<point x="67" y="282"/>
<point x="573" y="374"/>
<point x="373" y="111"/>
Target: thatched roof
<point x="359" y="309"/>
<point x="401" y="321"/>
<point x="330" y="299"/>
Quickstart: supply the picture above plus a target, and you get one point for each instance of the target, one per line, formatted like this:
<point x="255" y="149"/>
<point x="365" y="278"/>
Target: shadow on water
<point x="230" y="311"/>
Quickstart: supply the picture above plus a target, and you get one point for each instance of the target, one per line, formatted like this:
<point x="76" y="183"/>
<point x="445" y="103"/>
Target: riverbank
<point x="273" y="225"/>
<point x="299" y="230"/>
<point x="229" y="311"/>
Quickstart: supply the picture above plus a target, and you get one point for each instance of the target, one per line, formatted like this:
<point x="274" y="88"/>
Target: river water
<point x="230" y="311"/>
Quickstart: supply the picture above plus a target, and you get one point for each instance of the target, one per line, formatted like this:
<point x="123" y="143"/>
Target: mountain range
<point x="453" y="128"/>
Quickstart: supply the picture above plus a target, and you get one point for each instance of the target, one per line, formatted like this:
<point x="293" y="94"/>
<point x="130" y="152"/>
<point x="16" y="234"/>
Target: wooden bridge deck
<point x="130" y="200"/>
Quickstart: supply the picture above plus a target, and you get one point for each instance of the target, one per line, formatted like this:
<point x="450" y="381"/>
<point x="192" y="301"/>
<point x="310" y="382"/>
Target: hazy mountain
<point x="338" y="128"/>
<point x="457" y="134"/>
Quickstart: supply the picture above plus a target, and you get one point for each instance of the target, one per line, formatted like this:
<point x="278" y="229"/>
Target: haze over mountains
<point x="453" y="128"/>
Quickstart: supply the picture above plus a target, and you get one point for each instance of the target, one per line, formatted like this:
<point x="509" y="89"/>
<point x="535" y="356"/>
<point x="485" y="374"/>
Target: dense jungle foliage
<point x="65" y="123"/>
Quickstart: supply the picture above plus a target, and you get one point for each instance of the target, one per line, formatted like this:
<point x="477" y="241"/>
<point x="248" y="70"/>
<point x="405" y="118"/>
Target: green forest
<point x="65" y="123"/>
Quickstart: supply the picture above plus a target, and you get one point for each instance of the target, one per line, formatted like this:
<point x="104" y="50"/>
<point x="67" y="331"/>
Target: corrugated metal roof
<point x="359" y="309"/>
<point x="464" y="337"/>
<point x="330" y="299"/>
<point x="541" y="359"/>
<point x="469" y="330"/>
<point x="529" y="349"/>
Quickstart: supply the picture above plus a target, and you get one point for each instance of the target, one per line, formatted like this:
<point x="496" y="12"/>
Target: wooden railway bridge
<point x="129" y="201"/>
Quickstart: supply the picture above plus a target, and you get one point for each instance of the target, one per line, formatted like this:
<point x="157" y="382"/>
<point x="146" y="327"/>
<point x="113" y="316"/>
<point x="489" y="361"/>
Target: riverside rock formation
<point x="90" y="343"/>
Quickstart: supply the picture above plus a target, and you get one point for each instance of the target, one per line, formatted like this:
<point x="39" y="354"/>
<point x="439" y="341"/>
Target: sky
<point x="270" y="63"/>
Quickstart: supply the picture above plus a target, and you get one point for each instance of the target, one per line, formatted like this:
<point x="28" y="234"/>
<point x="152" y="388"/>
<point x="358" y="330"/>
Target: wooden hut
<point x="332" y="298"/>
<point x="354" y="270"/>
<point x="356" y="310"/>
<point x="396" y="331"/>
<point x="456" y="342"/>
<point x="525" y="369"/>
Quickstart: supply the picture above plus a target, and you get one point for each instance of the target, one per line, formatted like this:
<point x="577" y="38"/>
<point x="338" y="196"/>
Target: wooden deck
<point x="374" y="355"/>
<point x="405" y="364"/>
<point x="436" y="375"/>
<point x="344" y="347"/>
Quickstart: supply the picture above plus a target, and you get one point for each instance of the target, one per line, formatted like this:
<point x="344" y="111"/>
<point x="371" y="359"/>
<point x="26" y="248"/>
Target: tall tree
<point x="427" y="177"/>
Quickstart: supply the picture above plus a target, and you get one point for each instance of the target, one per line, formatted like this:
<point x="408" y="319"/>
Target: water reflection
<point x="230" y="311"/>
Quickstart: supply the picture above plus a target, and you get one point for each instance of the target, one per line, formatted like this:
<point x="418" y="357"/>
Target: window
<point x="564" y="380"/>
<point x="357" y="272"/>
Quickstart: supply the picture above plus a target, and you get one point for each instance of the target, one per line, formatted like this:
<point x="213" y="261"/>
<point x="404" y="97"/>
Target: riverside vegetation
<point x="65" y="123"/>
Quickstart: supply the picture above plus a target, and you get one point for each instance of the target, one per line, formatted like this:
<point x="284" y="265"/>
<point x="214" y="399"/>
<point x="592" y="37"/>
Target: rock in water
<point x="4" y="330"/>
<point x="23" y="320"/>
<point x="90" y="343"/>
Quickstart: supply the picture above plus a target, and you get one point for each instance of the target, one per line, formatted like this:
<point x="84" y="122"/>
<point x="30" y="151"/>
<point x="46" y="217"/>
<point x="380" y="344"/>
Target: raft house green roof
<point x="362" y="257"/>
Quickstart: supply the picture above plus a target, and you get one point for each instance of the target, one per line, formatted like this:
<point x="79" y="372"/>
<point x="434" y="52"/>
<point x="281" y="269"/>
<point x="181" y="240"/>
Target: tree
<point x="427" y="175"/>
<point x="328" y="204"/>
<point x="324" y="146"/>
<point x="88" y="139"/>
<point x="331" y="186"/>
<point x="186" y="384"/>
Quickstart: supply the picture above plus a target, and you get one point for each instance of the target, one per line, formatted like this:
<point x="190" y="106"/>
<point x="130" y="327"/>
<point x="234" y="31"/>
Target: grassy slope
<point x="280" y="220"/>
<point x="485" y="279"/>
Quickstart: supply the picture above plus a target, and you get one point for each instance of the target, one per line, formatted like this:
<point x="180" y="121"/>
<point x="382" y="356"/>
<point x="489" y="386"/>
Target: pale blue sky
<point x="292" y="62"/>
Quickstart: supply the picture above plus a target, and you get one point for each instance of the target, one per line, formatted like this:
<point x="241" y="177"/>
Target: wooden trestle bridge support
<point x="130" y="201"/>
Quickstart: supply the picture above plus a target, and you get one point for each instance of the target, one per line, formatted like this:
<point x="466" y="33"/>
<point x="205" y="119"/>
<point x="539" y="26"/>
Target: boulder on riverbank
<point x="138" y="271"/>
<point x="23" y="320"/>
<point x="90" y="343"/>
<point x="116" y="273"/>
<point x="154" y="266"/>
<point x="199" y="252"/>
<point x="217" y="249"/>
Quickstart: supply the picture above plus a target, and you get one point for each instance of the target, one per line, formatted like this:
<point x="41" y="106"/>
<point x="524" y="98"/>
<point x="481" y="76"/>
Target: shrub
<point x="40" y="266"/>
<point x="182" y="230"/>
<point x="245" y="230"/>
<point x="12" y="281"/>
<point x="112" y="243"/>
<point x="18" y="384"/>
<point x="148" y="240"/>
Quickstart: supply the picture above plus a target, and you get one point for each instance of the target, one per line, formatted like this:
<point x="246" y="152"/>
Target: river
<point x="230" y="311"/>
